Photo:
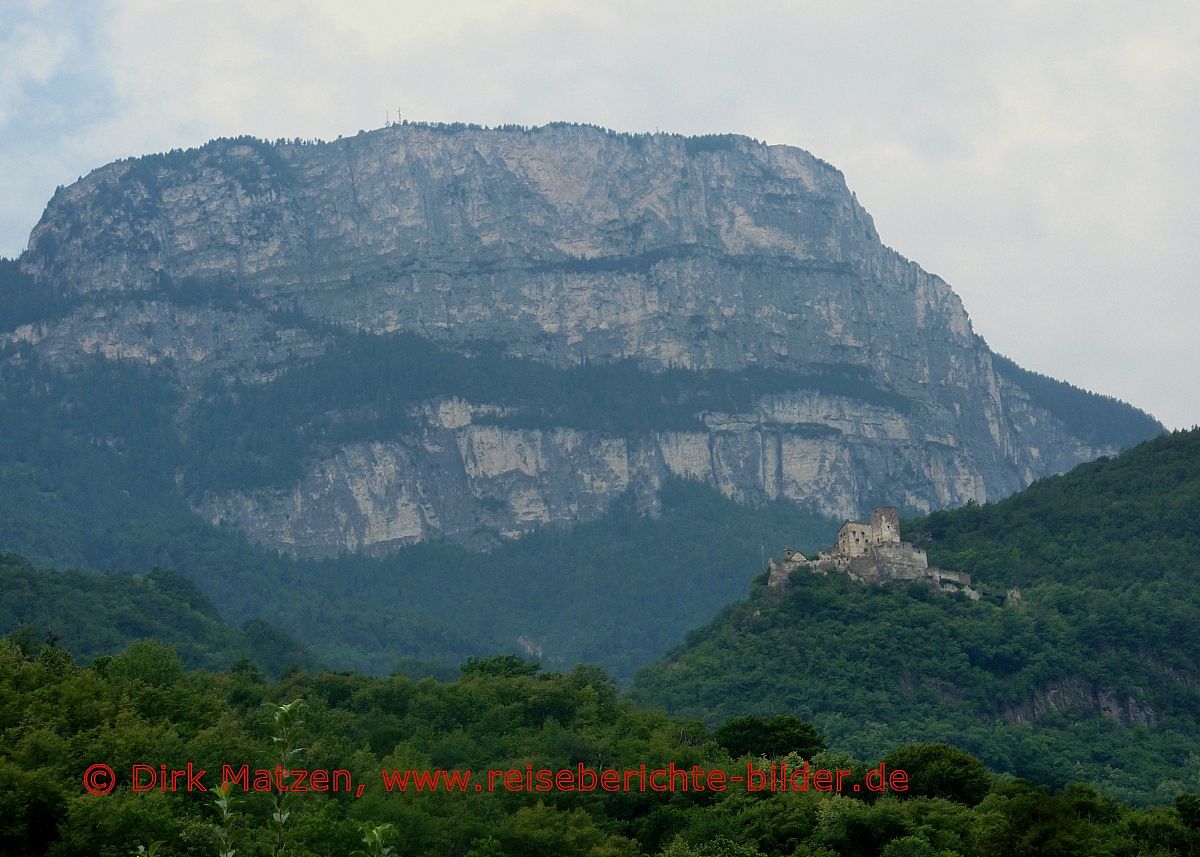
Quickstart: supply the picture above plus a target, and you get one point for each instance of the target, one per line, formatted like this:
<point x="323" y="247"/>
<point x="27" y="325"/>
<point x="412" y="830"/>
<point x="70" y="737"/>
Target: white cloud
<point x="33" y="47"/>
<point x="1042" y="157"/>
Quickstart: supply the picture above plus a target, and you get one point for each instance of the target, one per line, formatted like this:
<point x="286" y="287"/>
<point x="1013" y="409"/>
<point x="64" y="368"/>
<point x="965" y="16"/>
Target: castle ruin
<point x="873" y="553"/>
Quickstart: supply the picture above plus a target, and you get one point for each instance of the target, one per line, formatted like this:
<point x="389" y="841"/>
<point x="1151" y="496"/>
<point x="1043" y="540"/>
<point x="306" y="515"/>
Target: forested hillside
<point x="88" y="476"/>
<point x="1095" y="674"/>
<point x="57" y="719"/>
<point x="95" y="615"/>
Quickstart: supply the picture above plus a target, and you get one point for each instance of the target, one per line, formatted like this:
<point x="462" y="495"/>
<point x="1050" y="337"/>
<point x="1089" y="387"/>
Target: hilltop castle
<point x="873" y="552"/>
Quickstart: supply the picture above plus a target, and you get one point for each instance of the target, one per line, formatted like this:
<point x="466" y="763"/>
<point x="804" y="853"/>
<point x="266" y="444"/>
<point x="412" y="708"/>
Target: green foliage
<point x="92" y="615"/>
<point x="289" y="756"/>
<point x="941" y="771"/>
<point x="1106" y="558"/>
<point x="711" y="143"/>
<point x="500" y="665"/>
<point x="373" y="838"/>
<point x="30" y="810"/>
<point x="772" y="736"/>
<point x="227" y="818"/>
<point x="1119" y="524"/>
<point x="22" y="302"/>
<point x="148" y="662"/>
<point x="57" y="718"/>
<point x="1188" y="807"/>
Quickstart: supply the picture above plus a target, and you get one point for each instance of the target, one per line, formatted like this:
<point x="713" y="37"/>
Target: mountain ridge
<point x="243" y="262"/>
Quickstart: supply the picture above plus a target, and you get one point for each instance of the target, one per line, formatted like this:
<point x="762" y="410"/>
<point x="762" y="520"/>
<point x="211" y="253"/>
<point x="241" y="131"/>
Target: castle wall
<point x="901" y="555"/>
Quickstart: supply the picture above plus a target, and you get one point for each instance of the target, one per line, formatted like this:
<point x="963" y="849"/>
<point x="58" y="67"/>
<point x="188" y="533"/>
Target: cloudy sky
<point x="1043" y="157"/>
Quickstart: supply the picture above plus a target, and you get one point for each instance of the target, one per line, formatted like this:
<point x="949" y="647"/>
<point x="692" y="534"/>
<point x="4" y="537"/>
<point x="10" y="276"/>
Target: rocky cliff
<point x="568" y="246"/>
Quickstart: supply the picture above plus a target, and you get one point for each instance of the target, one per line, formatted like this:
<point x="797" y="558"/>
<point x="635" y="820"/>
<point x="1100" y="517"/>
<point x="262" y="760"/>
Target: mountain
<point x="1094" y="674"/>
<point x="455" y="332"/>
<point x="434" y="391"/>
<point x="98" y="615"/>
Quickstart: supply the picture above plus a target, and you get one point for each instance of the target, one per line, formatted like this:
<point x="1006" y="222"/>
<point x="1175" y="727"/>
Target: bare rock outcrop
<point x="567" y="244"/>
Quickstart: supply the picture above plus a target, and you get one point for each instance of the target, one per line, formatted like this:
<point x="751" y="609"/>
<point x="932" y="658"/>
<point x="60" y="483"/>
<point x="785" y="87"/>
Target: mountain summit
<point x="450" y="331"/>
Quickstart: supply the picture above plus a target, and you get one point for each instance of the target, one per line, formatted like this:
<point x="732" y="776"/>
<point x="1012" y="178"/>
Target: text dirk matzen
<point x="777" y="777"/>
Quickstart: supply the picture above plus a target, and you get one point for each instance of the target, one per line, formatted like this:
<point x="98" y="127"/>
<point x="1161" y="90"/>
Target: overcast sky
<point x="1044" y="158"/>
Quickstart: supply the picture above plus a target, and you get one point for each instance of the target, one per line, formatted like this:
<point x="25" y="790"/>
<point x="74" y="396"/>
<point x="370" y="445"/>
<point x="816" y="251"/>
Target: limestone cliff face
<point x="459" y="477"/>
<point x="465" y="479"/>
<point x="566" y="244"/>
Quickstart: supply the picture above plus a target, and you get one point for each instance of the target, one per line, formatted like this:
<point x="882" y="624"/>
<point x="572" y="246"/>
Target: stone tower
<point x="885" y="525"/>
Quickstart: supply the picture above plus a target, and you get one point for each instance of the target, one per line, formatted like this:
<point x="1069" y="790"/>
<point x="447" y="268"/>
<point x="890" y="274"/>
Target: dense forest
<point x="625" y="587"/>
<point x="1094" y="675"/>
<point x="58" y="719"/>
<point x="22" y="302"/>
<point x="93" y="615"/>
